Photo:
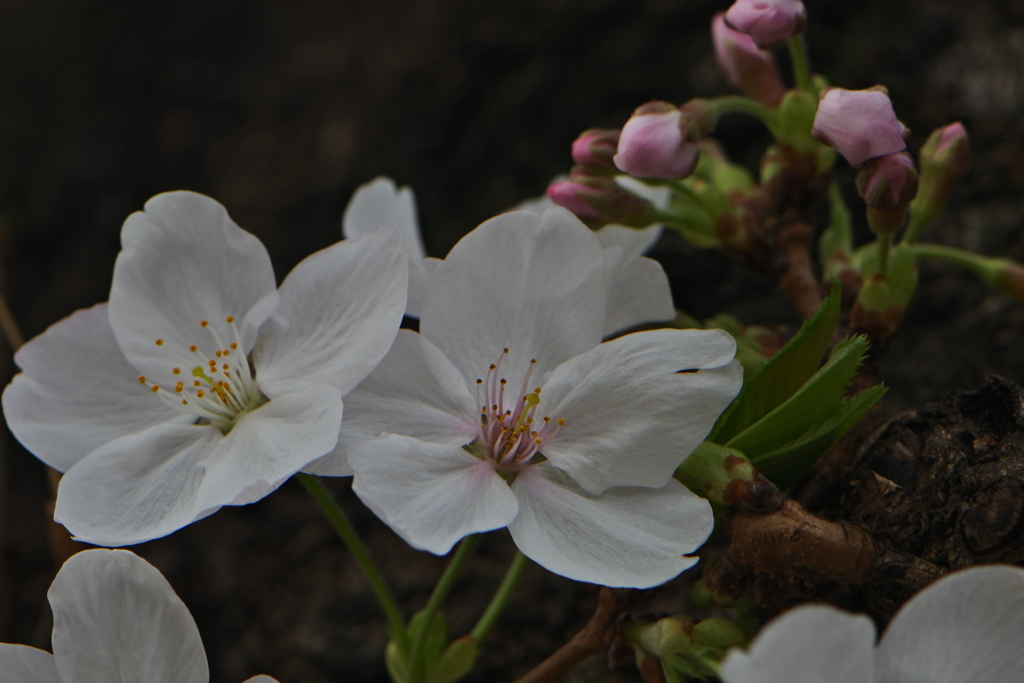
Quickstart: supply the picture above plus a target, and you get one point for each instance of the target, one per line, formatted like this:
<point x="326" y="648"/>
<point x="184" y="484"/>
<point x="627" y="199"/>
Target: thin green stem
<point x="501" y="597"/>
<point x="914" y="227"/>
<point x="968" y="260"/>
<point x="884" y="242"/>
<point x="437" y="598"/>
<point x="798" y="55"/>
<point x="744" y="105"/>
<point x="355" y="546"/>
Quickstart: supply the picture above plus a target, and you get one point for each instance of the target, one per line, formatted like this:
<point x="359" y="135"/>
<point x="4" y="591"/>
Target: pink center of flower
<point x="218" y="388"/>
<point x="510" y="433"/>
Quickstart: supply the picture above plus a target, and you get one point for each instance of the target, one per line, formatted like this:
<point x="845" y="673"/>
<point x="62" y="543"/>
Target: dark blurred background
<point x="280" y="109"/>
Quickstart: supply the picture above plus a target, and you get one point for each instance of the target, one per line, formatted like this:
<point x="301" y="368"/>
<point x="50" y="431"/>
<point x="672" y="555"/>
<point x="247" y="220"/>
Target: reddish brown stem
<point x="796" y="280"/>
<point x="588" y="642"/>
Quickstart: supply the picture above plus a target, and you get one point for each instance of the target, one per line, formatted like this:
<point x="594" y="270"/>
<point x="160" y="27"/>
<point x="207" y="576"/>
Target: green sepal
<point x="796" y="117"/>
<point x="781" y="376"/>
<point x="785" y="466"/>
<point x="396" y="659"/>
<point x="455" y="662"/>
<point x="815" y="402"/>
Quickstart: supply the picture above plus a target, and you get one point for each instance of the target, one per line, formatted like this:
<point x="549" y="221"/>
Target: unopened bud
<point x="748" y="67"/>
<point x="887" y="184"/>
<point x="859" y="124"/>
<point x="768" y="22"/>
<point x="657" y="142"/>
<point x="666" y="636"/>
<point x="597" y="201"/>
<point x="944" y="157"/>
<point x="595" y="149"/>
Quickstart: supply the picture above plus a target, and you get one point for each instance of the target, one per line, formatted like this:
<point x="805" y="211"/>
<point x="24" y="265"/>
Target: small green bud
<point x="710" y="469"/>
<point x="718" y="632"/>
<point x="667" y="636"/>
<point x="796" y="116"/>
<point x="455" y="662"/>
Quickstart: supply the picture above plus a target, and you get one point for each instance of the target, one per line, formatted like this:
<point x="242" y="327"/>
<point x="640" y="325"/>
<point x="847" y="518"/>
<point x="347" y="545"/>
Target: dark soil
<point x="281" y="109"/>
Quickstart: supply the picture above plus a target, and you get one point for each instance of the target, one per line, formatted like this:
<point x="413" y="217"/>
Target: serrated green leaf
<point x="779" y="378"/>
<point x="816" y="401"/>
<point x="787" y="465"/>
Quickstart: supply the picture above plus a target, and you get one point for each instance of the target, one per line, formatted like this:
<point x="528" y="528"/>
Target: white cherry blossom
<point x="639" y="288"/>
<point x="967" y="626"/>
<point x="200" y="384"/>
<point x="115" y="618"/>
<point x="508" y="410"/>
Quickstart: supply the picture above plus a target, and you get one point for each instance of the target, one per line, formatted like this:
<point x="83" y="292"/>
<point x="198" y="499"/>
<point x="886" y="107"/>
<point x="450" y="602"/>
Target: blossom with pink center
<point x="506" y="409"/>
<point x="859" y="124"/>
<point x="655" y="143"/>
<point x="768" y="22"/>
<point x="967" y="626"/>
<point x="748" y="67"/>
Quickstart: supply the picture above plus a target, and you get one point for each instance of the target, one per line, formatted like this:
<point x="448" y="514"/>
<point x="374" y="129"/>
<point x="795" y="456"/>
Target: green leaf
<point x="816" y="401"/>
<point x="455" y="662"/>
<point x="785" y="466"/>
<point x="780" y="377"/>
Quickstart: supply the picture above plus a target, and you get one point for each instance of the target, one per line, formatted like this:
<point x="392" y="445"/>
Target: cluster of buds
<point x="677" y="643"/>
<point x="769" y="23"/>
<point x="598" y="200"/>
<point x="748" y="67"/>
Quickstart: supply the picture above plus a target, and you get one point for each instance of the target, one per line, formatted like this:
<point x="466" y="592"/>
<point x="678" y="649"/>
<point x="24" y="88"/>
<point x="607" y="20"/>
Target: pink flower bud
<point x="888" y="182"/>
<point x="944" y="156"/>
<point x="887" y="185"/>
<point x="859" y="124"/>
<point x="655" y="143"/>
<point x="749" y="68"/>
<point x="596" y="147"/>
<point x="598" y="200"/>
<point x="768" y="22"/>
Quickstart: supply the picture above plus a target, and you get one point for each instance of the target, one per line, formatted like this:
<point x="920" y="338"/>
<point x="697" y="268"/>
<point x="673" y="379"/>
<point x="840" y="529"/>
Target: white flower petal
<point x="77" y="391"/>
<point x="338" y="314"/>
<point x="638" y="291"/>
<point x="532" y="284"/>
<point x="270" y="444"/>
<point x="415" y="391"/>
<point x="968" y="626"/>
<point x="136" y="488"/>
<point x="115" y="618"/>
<point x="24" y="664"/>
<point x="627" y="537"/>
<point x="630" y="416"/>
<point x="430" y="494"/>
<point x="182" y="261"/>
<point x="809" y="644"/>
<point x="633" y="242"/>
<point x="380" y="204"/>
<point x="419" y="284"/>
<point x="261" y="679"/>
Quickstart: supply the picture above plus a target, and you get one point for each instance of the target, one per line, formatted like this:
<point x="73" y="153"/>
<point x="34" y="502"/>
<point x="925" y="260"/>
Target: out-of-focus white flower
<point x="200" y="384"/>
<point x="507" y="410"/>
<point x="638" y="288"/>
<point x="968" y="626"/>
<point x="381" y="205"/>
<point x="115" y="618"/>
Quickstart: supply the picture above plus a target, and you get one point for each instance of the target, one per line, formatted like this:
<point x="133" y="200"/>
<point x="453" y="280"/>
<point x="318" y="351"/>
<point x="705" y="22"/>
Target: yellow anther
<point x="142" y="379"/>
<point x="193" y="348"/>
<point x="156" y="388"/>
<point x="503" y="382"/>
<point x="197" y="383"/>
<point x="538" y="441"/>
<point x="493" y="366"/>
<point x="547" y="418"/>
<point x="536" y="390"/>
<point x="213" y="364"/>
<point x="179" y="387"/>
<point x="184" y="402"/>
<point x="506" y="349"/>
<point x="159" y="342"/>
<point x="230" y="319"/>
<point x="234" y="345"/>
<point x="204" y="323"/>
<point x="218" y="353"/>
<point x="176" y="371"/>
<point x="226" y="367"/>
<point x="479" y="381"/>
<point x="561" y="422"/>
<point x="200" y="393"/>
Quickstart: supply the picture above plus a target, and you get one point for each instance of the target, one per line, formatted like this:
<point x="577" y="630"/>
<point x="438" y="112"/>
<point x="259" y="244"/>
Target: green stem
<point x="744" y="105"/>
<point x="437" y="598"/>
<point x="343" y="526"/>
<point x="884" y="242"/>
<point x="914" y="228"/>
<point x="501" y="597"/>
<point x="978" y="264"/>
<point x="798" y="55"/>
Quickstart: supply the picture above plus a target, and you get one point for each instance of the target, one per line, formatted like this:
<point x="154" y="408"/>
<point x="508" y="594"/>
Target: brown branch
<point x="796" y="278"/>
<point x="588" y="642"/>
